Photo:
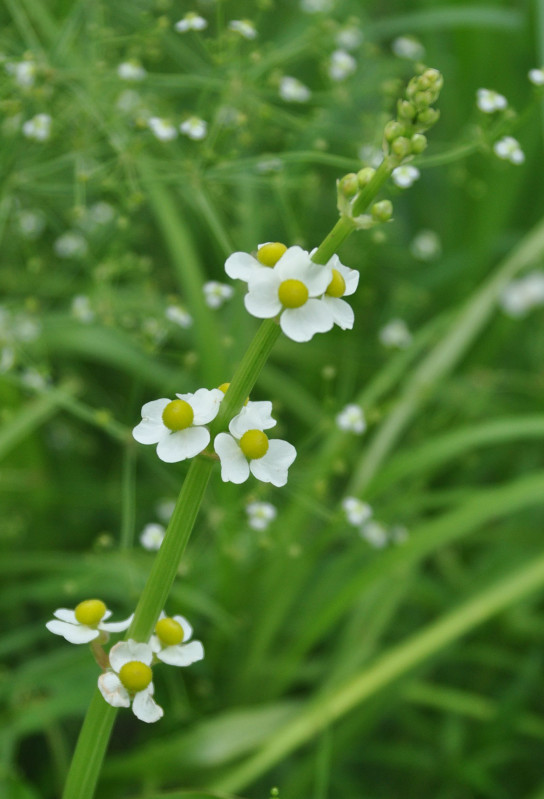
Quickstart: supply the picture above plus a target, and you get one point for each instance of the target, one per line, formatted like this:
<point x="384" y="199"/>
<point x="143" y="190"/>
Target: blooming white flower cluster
<point x="293" y="90"/>
<point x="216" y="294"/>
<point x="191" y="22"/>
<point x="351" y="419"/>
<point x="306" y="296"/>
<point x="395" y="334"/>
<point x="162" y="129"/>
<point x="509" y="149"/>
<point x="341" y="65"/>
<point x="127" y="677"/>
<point x="490" y="101"/>
<point x="405" y="176"/>
<point x="359" y="515"/>
<point x="38" y="128"/>
<point x="521" y="296"/>
<point x="194" y="128"/>
<point x="24" y="72"/>
<point x="260" y="514"/>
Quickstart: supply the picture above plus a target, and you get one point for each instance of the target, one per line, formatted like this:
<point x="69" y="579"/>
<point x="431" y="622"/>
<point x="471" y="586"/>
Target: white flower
<point x="191" y="22"/>
<point x="162" y="129"/>
<point x="293" y="91"/>
<point x="520" y="296"/>
<point x="81" y="309"/>
<point x="131" y="70"/>
<point x="490" y="101"/>
<point x="31" y="223"/>
<point x="408" y="47"/>
<point x="101" y="213"/>
<point x="165" y="508"/>
<point x="130" y="680"/>
<point x="344" y="282"/>
<point x="38" y="128"/>
<point x="395" y="334"/>
<point x="351" y="419"/>
<point x="426" y="245"/>
<point x="35" y="380"/>
<point x="85" y="623"/>
<point x="195" y="128"/>
<point x="152" y="536"/>
<point x="349" y="38"/>
<point x="375" y="533"/>
<point x="179" y="316"/>
<point x="341" y="65"/>
<point x="71" y="245"/>
<point x="536" y="76"/>
<point x="370" y="155"/>
<point x="241" y="265"/>
<point x="23" y="71"/>
<point x="170" y="643"/>
<point x="176" y="425"/>
<point x="316" y="6"/>
<point x="244" y="27"/>
<point x="357" y="512"/>
<point x="291" y="288"/>
<point x="405" y="176"/>
<point x="248" y="449"/>
<point x="260" y="514"/>
<point x="216" y="294"/>
<point x="509" y="149"/>
<point x="7" y="359"/>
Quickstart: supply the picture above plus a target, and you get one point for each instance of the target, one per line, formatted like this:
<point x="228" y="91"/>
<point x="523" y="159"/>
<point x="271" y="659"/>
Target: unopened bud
<point x="349" y="185"/>
<point x="393" y="130"/>
<point x="382" y="211"/>
<point x="434" y="78"/>
<point x="419" y="143"/>
<point x="401" y="147"/>
<point x="427" y="117"/>
<point x="364" y="176"/>
<point x="406" y="109"/>
<point x="424" y="98"/>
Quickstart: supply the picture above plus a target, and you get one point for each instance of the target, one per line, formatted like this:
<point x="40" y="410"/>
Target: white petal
<point x="342" y="313"/>
<point x="253" y="416"/>
<point x="185" y="626"/>
<point x="64" y="614"/>
<point x="127" y="651"/>
<point x="144" y="706"/>
<point x="183" y="444"/>
<point x="241" y="265"/>
<point x="351" y="276"/>
<point x="262" y="298"/>
<point x="74" y="633"/>
<point x="183" y="654"/>
<point x="317" y="279"/>
<point x="300" y="324"/>
<point x="155" y="644"/>
<point x="205" y="404"/>
<point x="290" y="263"/>
<point x="116" y="626"/>
<point x="272" y="467"/>
<point x="234" y="466"/>
<point x="113" y="691"/>
<point x="151" y="429"/>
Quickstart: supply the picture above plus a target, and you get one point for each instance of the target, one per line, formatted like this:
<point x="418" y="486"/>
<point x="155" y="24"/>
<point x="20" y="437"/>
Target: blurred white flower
<point x="101" y="213"/>
<point x="244" y="27"/>
<point x="341" y="65"/>
<point x="509" y="149"/>
<point x="165" y="508"/>
<point x="152" y="536"/>
<point x="24" y="72"/>
<point x="191" y="22"/>
<point x="521" y="296"/>
<point x="293" y="91"/>
<point x="398" y="534"/>
<point x="408" y="47"/>
<point x="131" y="70"/>
<point x="81" y="309"/>
<point x="195" y="128"/>
<point x="370" y="155"/>
<point x="216" y="294"/>
<point x="260" y="514"/>
<point x="426" y="245"/>
<point x="357" y="512"/>
<point x="179" y="316"/>
<point x="490" y="101"/>
<point x="316" y="6"/>
<point x="349" y="38"/>
<point x="405" y="176"/>
<point x="25" y="328"/>
<point x="374" y="533"/>
<point x="71" y="245"/>
<point x="269" y="165"/>
<point x="33" y="379"/>
<point x="351" y="419"/>
<point x="536" y="76"/>
<point x="162" y="129"/>
<point x="7" y="359"/>
<point x="395" y="334"/>
<point x="38" y="128"/>
<point x="31" y="223"/>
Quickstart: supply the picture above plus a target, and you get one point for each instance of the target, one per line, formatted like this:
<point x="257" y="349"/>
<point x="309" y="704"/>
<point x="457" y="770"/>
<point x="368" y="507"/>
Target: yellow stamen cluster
<point x="90" y="612"/>
<point x="178" y="415"/>
<point x="170" y="631"/>
<point x="337" y="286"/>
<point x="135" y="676"/>
<point x="254" y="444"/>
<point x="270" y="254"/>
<point x="292" y="293"/>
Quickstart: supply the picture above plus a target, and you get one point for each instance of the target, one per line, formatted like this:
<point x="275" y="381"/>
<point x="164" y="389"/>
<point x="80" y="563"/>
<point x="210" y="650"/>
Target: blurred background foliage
<point x="333" y="669"/>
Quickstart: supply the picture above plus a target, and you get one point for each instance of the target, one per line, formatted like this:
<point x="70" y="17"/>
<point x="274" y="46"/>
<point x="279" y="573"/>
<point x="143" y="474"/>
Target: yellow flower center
<point x="90" y="612"/>
<point x="270" y="254"/>
<point x="169" y="631"/>
<point x="337" y="286"/>
<point x="224" y="388"/>
<point x="135" y="676"/>
<point x="254" y="444"/>
<point x="178" y="415"/>
<point x="292" y="293"/>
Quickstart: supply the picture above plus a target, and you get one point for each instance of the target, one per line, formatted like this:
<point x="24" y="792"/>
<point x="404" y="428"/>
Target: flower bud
<point x="348" y="186"/>
<point x="419" y="143"/>
<point x="401" y="147"/>
<point x="393" y="130"/>
<point x="364" y="176"/>
<point x="382" y="211"/>
<point x="427" y="117"/>
<point x="406" y="110"/>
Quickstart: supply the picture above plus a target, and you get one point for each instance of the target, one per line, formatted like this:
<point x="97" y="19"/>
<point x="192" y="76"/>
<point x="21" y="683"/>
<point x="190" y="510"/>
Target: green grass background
<point x="332" y="670"/>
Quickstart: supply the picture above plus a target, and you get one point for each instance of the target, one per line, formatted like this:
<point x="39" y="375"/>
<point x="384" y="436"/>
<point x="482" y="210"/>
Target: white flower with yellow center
<point x="341" y="65"/>
<point x="490" y="101"/>
<point x="291" y="289"/>
<point x="344" y="282"/>
<point x="351" y="419"/>
<point x="216" y="294"/>
<point x="357" y="512"/>
<point x="171" y="643"/>
<point x="86" y="622"/>
<point x="246" y="448"/>
<point x="405" y="176"/>
<point x="191" y="22"/>
<point x="260" y="514"/>
<point x="195" y="128"/>
<point x="152" y="536"/>
<point x="162" y="129"/>
<point x="241" y="265"/>
<point x="175" y="426"/>
<point x="38" y="128"/>
<point x="130" y="680"/>
<point x="293" y="90"/>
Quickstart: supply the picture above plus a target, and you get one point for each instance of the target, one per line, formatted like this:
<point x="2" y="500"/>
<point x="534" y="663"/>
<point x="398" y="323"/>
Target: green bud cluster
<point x="404" y="135"/>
